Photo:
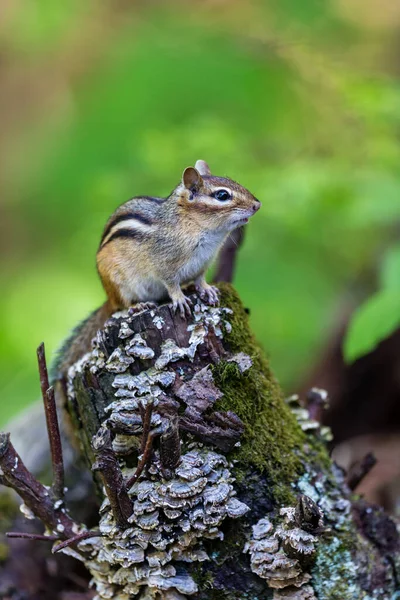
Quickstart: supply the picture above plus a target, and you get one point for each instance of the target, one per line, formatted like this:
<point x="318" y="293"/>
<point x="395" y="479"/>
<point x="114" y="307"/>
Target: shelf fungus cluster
<point x="156" y="515"/>
<point x="170" y="519"/>
<point x="134" y="394"/>
<point x="282" y="553"/>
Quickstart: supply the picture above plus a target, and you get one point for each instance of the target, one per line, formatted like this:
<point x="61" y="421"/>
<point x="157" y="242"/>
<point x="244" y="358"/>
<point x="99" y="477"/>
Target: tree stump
<point x="212" y="485"/>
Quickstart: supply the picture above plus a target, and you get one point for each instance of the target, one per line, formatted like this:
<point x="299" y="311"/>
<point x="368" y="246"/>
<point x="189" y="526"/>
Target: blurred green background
<point x="297" y="100"/>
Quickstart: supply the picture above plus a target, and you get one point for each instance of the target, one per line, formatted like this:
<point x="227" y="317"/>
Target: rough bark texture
<point x="286" y="525"/>
<point x="276" y="461"/>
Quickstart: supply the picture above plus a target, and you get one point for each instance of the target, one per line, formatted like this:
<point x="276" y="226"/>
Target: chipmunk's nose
<point x="256" y="205"/>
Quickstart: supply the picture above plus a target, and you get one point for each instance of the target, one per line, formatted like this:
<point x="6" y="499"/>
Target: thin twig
<point x="360" y="470"/>
<point x="111" y="474"/>
<point x="146" y="456"/>
<point x="53" y="429"/>
<point x="33" y="493"/>
<point x="227" y="256"/>
<point x="32" y="536"/>
<point x="146" y="444"/>
<point x="146" y="418"/>
<point x="76" y="538"/>
<point x="55" y="444"/>
<point x="44" y="377"/>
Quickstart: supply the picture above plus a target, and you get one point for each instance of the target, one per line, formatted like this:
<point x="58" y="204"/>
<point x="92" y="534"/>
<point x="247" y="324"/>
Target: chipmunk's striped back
<point x="151" y="246"/>
<point x="133" y="219"/>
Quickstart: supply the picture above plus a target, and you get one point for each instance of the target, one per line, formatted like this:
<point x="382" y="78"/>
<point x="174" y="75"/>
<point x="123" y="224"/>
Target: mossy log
<point x="211" y="374"/>
<point x="212" y="485"/>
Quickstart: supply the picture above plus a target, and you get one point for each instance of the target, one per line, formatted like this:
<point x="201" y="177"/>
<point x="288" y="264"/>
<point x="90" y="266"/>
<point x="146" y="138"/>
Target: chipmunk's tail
<point x="79" y="342"/>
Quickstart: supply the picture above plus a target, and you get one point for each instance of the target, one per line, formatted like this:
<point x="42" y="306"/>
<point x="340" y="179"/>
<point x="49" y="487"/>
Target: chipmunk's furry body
<point x="151" y="246"/>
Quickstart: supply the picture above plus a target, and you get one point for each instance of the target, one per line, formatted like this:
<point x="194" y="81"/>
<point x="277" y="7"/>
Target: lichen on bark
<point x="208" y="378"/>
<point x="276" y="460"/>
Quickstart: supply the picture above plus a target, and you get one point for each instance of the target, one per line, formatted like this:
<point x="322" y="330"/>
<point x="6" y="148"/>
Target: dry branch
<point x="52" y="425"/>
<point x="36" y="496"/>
<point x="113" y="480"/>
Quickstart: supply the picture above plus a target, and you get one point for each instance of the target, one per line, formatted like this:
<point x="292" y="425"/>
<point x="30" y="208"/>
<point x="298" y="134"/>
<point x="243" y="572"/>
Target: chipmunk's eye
<point x="221" y="195"/>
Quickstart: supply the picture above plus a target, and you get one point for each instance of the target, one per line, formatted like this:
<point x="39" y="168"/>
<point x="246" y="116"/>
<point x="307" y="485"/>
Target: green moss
<point x="272" y="441"/>
<point x="318" y="455"/>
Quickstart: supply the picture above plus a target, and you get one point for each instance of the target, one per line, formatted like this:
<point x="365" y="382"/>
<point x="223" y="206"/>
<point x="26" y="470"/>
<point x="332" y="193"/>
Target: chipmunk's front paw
<point x="140" y="307"/>
<point x="208" y="293"/>
<point x="183" y="304"/>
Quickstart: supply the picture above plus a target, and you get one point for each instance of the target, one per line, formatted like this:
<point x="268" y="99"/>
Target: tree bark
<point x="230" y="486"/>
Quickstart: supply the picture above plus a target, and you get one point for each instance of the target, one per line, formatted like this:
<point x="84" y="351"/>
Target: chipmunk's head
<point x="220" y="202"/>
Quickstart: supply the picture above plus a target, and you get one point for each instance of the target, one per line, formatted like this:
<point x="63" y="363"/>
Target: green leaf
<point x="390" y="272"/>
<point x="372" y="322"/>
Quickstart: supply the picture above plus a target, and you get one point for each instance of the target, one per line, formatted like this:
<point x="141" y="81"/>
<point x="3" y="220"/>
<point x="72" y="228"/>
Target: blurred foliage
<point x="299" y="101"/>
<point x="379" y="315"/>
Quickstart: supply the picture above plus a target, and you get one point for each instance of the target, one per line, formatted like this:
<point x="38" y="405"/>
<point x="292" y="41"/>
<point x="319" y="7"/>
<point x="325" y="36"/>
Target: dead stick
<point x="33" y="493"/>
<point x="32" y="536"/>
<point x="111" y="474"/>
<point x="146" y="418"/>
<point x="53" y="429"/>
<point x="360" y="470"/>
<point x="143" y="461"/>
<point x="227" y="256"/>
<point x="146" y="444"/>
<point x="44" y="377"/>
<point x="55" y="444"/>
<point x="76" y="538"/>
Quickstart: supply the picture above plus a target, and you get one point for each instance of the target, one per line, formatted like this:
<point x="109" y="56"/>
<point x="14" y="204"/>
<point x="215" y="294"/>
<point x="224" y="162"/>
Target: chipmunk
<point x="151" y="246"/>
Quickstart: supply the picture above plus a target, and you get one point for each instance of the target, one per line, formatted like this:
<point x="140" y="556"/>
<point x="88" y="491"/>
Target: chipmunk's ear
<point x="202" y="168"/>
<point x="191" y="178"/>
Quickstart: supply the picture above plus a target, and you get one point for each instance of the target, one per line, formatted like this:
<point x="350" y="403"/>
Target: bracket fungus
<point x="169" y="521"/>
<point x="281" y="553"/>
<point x="180" y="492"/>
